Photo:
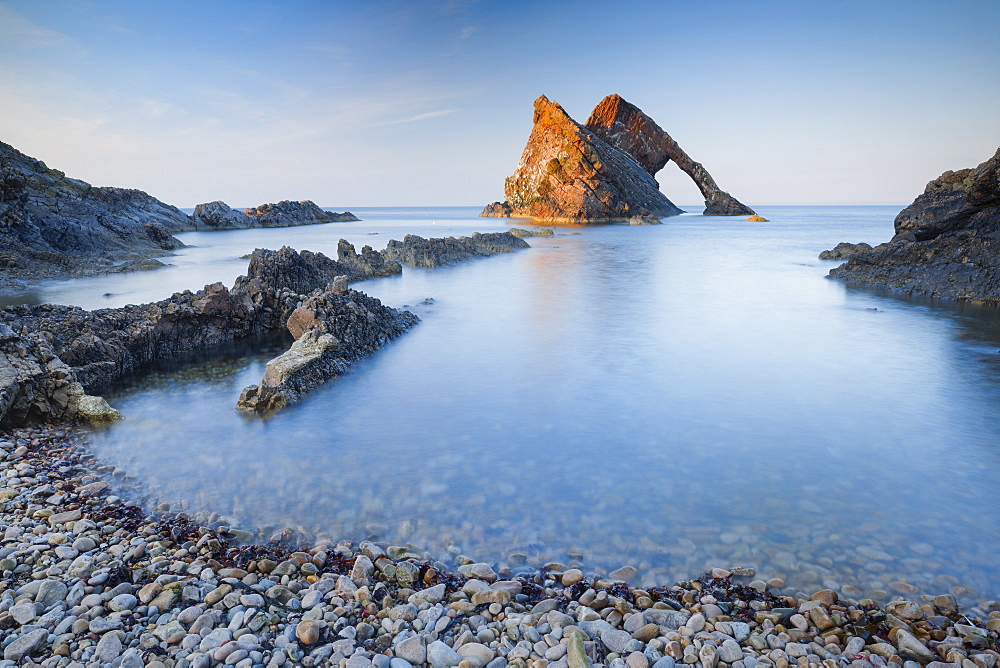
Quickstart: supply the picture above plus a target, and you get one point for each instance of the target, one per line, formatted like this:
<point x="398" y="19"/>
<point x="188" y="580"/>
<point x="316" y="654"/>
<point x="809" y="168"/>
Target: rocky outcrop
<point x="308" y="271"/>
<point x="532" y="232"/>
<point x="52" y="358"/>
<point x="53" y="225"/>
<point x="947" y="243"/>
<point x="603" y="171"/>
<point x="569" y="174"/>
<point x="332" y="328"/>
<point x="624" y="126"/>
<point x="844" y="250"/>
<point x="220" y="216"/>
<point x="416" y="251"/>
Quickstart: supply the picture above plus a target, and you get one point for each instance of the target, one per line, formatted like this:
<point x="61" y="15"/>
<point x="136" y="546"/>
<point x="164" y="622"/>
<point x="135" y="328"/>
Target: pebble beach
<point x="88" y="580"/>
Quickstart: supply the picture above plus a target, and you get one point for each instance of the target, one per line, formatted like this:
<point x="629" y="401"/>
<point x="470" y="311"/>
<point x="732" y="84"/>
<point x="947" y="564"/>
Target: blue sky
<point x="429" y="103"/>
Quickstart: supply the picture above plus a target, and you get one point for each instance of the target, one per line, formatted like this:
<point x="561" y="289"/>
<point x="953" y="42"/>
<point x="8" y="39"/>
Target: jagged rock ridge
<point x="51" y="225"/>
<point x="947" y="242"/>
<point x="52" y="357"/>
<point x="602" y="171"/>
<point x="220" y="216"/>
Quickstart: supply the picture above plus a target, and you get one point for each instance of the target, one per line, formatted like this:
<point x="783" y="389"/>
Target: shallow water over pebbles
<point x="670" y="397"/>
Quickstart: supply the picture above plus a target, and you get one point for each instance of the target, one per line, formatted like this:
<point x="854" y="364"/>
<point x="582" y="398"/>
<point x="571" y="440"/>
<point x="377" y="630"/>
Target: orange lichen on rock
<point x="756" y="219"/>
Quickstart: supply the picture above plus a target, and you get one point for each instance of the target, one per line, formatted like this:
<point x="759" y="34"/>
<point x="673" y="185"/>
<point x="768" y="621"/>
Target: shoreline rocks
<point x="54" y="226"/>
<point x="53" y="357"/>
<point x="88" y="579"/>
<point x="946" y="243"/>
<point x="416" y="251"/>
<point x="220" y="216"/>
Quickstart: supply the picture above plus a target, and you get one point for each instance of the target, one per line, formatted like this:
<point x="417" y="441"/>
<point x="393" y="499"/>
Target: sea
<point x="675" y="397"/>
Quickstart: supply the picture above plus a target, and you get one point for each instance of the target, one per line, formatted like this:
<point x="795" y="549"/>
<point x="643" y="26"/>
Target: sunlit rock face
<point x="569" y="174"/>
<point x="601" y="171"/>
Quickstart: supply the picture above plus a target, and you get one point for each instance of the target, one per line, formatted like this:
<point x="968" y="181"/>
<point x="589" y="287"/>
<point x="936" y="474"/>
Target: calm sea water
<point x="671" y="397"/>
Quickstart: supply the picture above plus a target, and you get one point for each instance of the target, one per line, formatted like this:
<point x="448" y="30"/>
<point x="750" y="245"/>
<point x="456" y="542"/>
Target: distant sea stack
<point x="220" y="216"/>
<point x="947" y="243"/>
<point x="602" y="171"/>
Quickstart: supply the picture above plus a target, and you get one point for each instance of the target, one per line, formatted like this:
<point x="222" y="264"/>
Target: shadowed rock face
<point x="52" y="225"/>
<point x="220" y="216"/>
<point x="617" y="138"/>
<point x="567" y="173"/>
<point x="627" y="128"/>
<point x="947" y="243"/>
<point x="416" y="251"/>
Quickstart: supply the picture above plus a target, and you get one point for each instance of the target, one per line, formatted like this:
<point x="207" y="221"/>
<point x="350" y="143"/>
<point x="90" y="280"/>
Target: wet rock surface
<point x="844" y="250"/>
<point x="416" y="251"/>
<point x="88" y="580"/>
<point x="55" y="355"/>
<point x="333" y="327"/>
<point x="947" y="243"/>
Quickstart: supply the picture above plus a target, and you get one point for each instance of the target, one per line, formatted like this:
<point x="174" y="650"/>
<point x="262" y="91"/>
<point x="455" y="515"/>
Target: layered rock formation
<point x="53" y="356"/>
<point x="577" y="173"/>
<point x="52" y="225"/>
<point x="569" y="174"/>
<point x="220" y="216"/>
<point x="416" y="251"/>
<point x="947" y="242"/>
<point x="332" y="328"/>
<point x="627" y="128"/>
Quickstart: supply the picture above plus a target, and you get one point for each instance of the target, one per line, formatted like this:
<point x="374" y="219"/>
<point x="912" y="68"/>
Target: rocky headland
<point x="947" y="242"/>
<point x="54" y="226"/>
<point x="89" y="580"/>
<point x="602" y="171"/>
<point x="220" y="216"/>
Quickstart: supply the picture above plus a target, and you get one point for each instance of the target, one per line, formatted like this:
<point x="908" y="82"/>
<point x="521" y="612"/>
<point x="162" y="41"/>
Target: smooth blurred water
<point x="671" y="397"/>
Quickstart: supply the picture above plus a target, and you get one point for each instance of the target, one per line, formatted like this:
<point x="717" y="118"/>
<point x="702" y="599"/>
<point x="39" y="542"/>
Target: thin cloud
<point x="15" y="29"/>
<point x="467" y="32"/>
<point x="422" y="117"/>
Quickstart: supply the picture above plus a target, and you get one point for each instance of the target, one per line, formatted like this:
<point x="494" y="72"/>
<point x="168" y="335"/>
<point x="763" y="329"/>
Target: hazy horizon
<point x="430" y="103"/>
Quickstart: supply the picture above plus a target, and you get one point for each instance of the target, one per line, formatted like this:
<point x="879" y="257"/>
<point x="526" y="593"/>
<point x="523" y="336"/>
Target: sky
<point x="428" y="103"/>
